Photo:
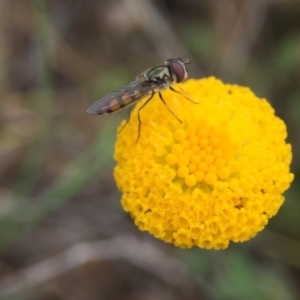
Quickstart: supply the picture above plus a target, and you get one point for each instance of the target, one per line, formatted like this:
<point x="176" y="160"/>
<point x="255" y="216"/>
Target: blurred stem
<point x="72" y="181"/>
<point x="29" y="172"/>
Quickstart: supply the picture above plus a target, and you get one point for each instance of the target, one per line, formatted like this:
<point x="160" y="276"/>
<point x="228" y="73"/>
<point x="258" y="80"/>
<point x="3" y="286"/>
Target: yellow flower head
<point x="214" y="178"/>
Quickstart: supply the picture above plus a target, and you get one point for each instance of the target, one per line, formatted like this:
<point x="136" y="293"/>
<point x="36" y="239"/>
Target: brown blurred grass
<point x="56" y="175"/>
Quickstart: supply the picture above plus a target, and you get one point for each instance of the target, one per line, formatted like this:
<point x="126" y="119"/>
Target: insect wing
<point x="129" y="93"/>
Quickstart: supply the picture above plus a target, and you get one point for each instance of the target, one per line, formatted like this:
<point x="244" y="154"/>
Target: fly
<point x="149" y="82"/>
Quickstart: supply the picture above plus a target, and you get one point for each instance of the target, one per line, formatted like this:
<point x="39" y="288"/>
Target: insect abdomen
<point x="118" y="103"/>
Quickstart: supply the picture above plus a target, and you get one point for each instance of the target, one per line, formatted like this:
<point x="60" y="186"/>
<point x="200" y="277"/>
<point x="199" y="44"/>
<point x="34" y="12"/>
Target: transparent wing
<point x="127" y="94"/>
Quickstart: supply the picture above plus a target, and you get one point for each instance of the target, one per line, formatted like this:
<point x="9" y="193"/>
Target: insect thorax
<point x="160" y="75"/>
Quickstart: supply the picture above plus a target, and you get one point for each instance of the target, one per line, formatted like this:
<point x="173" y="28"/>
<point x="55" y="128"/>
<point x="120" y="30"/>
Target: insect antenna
<point x="182" y="93"/>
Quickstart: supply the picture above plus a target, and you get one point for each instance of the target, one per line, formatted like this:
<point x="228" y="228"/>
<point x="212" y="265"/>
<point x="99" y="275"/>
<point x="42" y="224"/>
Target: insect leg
<point x="162" y="99"/>
<point x="183" y="94"/>
<point x="139" y="118"/>
<point x="128" y="119"/>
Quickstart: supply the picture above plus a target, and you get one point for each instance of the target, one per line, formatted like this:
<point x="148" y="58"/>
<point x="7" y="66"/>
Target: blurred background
<point x="63" y="234"/>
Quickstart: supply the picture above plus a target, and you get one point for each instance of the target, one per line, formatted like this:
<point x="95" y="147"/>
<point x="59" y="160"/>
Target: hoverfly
<point x="149" y="82"/>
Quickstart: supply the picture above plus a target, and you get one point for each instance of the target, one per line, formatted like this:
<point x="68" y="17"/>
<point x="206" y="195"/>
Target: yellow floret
<point x="216" y="177"/>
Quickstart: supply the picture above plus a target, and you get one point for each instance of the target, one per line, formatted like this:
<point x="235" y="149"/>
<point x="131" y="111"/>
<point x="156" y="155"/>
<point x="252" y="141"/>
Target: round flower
<point x="217" y="176"/>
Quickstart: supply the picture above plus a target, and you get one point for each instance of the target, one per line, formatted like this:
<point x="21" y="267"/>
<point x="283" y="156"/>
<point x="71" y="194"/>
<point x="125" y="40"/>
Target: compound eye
<point x="178" y="69"/>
